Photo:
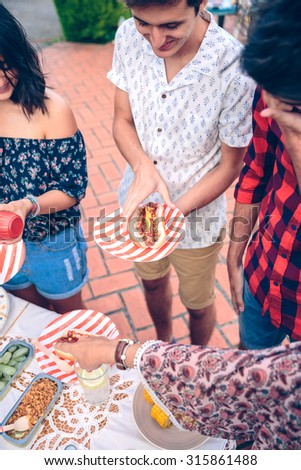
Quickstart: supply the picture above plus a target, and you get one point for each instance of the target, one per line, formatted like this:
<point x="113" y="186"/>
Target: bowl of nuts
<point x="35" y="402"/>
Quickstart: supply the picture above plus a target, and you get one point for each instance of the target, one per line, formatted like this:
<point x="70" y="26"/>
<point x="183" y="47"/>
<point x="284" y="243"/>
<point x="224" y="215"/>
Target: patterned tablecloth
<point x="73" y="420"/>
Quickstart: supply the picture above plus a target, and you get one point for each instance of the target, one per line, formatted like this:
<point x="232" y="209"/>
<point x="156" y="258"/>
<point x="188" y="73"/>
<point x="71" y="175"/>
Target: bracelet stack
<point x="120" y="352"/>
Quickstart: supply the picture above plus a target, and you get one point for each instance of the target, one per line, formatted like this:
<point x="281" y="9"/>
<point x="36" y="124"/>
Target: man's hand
<point x="236" y="278"/>
<point x="241" y="226"/>
<point x="147" y="181"/>
<point x="288" y="117"/>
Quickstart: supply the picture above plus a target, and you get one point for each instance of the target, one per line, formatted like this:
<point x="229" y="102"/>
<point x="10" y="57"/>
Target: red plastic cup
<point x="11" y="225"/>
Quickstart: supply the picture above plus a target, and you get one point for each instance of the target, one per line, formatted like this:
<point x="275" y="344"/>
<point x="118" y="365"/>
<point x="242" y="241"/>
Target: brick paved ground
<point x="78" y="72"/>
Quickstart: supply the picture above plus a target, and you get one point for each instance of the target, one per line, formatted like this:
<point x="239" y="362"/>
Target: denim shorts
<point x="56" y="266"/>
<point x="257" y="331"/>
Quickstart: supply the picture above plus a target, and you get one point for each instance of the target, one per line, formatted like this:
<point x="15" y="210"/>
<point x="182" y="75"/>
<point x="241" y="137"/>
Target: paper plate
<point x="11" y="259"/>
<point x="171" y="438"/>
<point x="4" y="307"/>
<point x="112" y="236"/>
<point x="90" y="321"/>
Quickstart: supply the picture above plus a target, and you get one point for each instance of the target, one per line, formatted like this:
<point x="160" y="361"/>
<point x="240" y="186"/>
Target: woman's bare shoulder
<point x="59" y="121"/>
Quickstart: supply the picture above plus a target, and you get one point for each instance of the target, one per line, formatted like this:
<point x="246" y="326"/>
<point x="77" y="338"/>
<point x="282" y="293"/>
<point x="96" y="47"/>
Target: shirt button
<point x="159" y="129"/>
<point x="155" y="162"/>
<point x="163" y="96"/>
<point x="275" y="283"/>
<point x="284" y="255"/>
<point x="293" y="227"/>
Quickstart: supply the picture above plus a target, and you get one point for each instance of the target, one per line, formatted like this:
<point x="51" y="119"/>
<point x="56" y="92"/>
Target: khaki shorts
<point x="196" y="272"/>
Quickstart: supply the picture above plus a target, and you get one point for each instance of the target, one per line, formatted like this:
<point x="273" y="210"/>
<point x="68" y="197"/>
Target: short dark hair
<point x="146" y="3"/>
<point x="272" y="56"/>
<point x="20" y="55"/>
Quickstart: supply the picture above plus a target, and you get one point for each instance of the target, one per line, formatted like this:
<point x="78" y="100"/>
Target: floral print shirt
<point x="35" y="166"/>
<point x="228" y="393"/>
<point x="181" y="123"/>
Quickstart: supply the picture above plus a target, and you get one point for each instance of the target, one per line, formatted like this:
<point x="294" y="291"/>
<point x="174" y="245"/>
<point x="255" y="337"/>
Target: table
<point x="73" y="420"/>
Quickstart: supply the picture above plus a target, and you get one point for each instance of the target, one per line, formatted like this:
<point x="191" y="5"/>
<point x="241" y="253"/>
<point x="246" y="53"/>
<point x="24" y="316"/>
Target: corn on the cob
<point x="148" y="397"/>
<point x="160" y="417"/>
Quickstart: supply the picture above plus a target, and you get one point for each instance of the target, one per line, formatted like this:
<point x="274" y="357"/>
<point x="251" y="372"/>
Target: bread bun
<point x="63" y="354"/>
<point x="69" y="337"/>
<point x="147" y="226"/>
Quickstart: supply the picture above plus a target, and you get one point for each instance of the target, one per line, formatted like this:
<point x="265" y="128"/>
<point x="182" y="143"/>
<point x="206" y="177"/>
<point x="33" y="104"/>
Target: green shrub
<point x="90" y="20"/>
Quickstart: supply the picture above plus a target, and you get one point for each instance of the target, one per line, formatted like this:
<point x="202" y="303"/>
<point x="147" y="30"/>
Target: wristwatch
<point x="120" y="352"/>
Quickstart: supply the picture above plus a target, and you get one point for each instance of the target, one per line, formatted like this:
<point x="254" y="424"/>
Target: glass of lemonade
<point x="95" y="384"/>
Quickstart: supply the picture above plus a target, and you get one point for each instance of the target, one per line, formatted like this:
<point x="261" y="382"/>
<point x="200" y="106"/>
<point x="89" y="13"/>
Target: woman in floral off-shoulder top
<point x="43" y="175"/>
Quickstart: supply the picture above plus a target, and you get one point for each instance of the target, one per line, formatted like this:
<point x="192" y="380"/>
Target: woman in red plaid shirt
<point x="266" y="292"/>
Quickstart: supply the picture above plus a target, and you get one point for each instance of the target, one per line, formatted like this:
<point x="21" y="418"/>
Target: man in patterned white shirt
<point x="182" y="122"/>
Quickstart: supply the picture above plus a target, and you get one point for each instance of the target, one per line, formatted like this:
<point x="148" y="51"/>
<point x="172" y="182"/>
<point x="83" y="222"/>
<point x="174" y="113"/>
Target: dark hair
<point x="20" y="56"/>
<point x="272" y="56"/>
<point x="146" y="3"/>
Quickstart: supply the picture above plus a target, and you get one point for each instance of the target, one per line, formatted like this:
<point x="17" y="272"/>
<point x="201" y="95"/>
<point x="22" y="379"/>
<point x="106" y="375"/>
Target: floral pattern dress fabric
<point x="35" y="166"/>
<point x="230" y="394"/>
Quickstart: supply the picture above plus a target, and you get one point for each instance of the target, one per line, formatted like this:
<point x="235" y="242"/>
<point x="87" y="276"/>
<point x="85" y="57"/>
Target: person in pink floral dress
<point x="223" y="393"/>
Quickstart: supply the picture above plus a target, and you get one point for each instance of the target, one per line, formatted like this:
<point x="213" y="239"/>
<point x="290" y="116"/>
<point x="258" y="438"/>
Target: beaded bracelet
<point x="141" y="350"/>
<point x="120" y="352"/>
<point x="36" y="209"/>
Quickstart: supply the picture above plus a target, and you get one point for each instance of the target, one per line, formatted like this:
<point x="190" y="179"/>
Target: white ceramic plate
<point x="172" y="438"/>
<point x="4" y="307"/>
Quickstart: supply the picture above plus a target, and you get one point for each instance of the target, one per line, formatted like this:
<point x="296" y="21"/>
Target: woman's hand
<point x="90" y="351"/>
<point x="21" y="207"/>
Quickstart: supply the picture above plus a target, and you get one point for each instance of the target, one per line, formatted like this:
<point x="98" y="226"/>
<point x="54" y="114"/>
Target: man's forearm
<point x="241" y="226"/>
<point x="215" y="182"/>
<point x="147" y="178"/>
<point x="127" y="141"/>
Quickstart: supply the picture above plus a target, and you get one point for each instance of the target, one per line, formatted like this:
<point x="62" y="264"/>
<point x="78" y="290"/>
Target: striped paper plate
<point x="4" y="307"/>
<point x="111" y="234"/>
<point x="90" y="321"/>
<point x="11" y="259"/>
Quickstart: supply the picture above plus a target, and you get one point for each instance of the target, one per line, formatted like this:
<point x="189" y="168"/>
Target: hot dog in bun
<point x="69" y="337"/>
<point x="147" y="226"/>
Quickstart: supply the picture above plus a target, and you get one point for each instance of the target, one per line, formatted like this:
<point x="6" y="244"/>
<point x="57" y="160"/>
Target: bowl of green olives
<point x="13" y="358"/>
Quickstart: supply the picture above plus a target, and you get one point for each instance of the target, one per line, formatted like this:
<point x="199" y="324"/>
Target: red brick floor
<point x="78" y="72"/>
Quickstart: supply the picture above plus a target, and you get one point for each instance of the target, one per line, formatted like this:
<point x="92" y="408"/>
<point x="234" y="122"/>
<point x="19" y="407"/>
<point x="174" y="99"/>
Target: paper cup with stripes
<point x="111" y="234"/>
<point x="11" y="259"/>
<point x="90" y="321"/>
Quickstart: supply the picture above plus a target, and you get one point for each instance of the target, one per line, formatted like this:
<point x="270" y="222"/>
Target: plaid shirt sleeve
<point x="259" y="159"/>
